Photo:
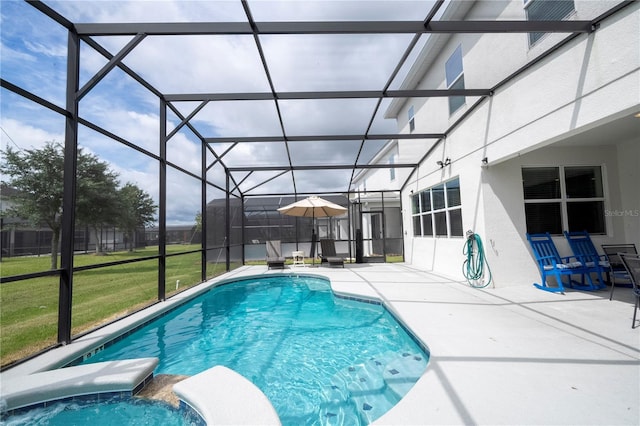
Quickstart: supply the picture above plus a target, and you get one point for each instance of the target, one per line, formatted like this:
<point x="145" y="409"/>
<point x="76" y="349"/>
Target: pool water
<point x="113" y="412"/>
<point x="318" y="358"/>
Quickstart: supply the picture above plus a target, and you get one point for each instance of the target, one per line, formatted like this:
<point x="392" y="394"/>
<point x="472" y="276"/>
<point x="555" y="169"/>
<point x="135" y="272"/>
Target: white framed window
<point x="546" y="10"/>
<point x="562" y="198"/>
<point x="412" y="119"/>
<point x="437" y="211"/>
<point x="455" y="78"/>
<point x="392" y="170"/>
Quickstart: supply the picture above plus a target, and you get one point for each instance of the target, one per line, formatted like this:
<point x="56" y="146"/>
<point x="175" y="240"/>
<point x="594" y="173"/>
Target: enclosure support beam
<point x="203" y="211"/>
<point x="330" y="27"/>
<point x="242" y="234"/>
<point x="162" y="204"/>
<point x="227" y="221"/>
<point x="69" y="192"/>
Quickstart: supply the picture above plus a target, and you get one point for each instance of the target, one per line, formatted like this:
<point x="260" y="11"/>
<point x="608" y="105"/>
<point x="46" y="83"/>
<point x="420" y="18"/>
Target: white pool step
<point x="223" y="397"/>
<point x="377" y="384"/>
<point x="372" y="406"/>
<point x="342" y="413"/>
<point x="401" y="374"/>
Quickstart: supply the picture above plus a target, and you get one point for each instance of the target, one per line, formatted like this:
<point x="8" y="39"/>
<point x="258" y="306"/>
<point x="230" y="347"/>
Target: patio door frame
<point x="368" y="237"/>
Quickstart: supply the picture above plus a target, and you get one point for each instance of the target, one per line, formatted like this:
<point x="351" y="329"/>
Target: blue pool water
<point x="319" y="359"/>
<point x="114" y="412"/>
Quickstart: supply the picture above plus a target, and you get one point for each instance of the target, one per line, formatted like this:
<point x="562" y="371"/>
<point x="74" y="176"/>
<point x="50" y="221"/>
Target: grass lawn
<point x="29" y="309"/>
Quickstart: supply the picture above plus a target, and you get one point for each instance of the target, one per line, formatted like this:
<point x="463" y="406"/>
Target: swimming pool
<point x="320" y="359"/>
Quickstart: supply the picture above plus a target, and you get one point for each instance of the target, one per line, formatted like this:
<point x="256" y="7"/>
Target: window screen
<point x="440" y="211"/>
<point x="455" y="78"/>
<point x="583" y="182"/>
<point x="412" y="119"/>
<point x="547" y="10"/>
<point x="564" y="198"/>
<point x="541" y="183"/>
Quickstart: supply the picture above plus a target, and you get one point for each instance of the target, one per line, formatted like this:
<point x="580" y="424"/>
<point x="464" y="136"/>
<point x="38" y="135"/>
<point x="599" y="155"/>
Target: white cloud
<point x="238" y="118"/>
<point x="20" y="135"/>
<point x="199" y="64"/>
<point x="11" y="55"/>
<point x="332" y="62"/>
<point x="55" y="51"/>
<point x="107" y="11"/>
<point x="339" y="10"/>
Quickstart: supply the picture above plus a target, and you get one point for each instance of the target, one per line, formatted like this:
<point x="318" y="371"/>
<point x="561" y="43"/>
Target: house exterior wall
<point x="377" y="179"/>
<point x="592" y="81"/>
<point x="627" y="212"/>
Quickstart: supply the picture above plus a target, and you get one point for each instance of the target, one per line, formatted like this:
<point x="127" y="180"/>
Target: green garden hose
<point x="473" y="267"/>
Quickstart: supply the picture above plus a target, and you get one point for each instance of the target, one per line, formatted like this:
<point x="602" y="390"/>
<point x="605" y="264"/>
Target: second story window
<point x="392" y="171"/>
<point x="455" y="78"/>
<point x="412" y="119"/>
<point x="546" y="10"/>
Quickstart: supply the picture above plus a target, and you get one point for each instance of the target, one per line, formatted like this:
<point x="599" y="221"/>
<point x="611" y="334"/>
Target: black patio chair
<point x="618" y="271"/>
<point x="329" y="255"/>
<point x="631" y="263"/>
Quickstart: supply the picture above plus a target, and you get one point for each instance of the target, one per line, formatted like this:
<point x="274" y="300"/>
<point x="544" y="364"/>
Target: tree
<point x="96" y="195"/>
<point x="136" y="209"/>
<point x="37" y="175"/>
<point x="197" y="229"/>
<point x="198" y="221"/>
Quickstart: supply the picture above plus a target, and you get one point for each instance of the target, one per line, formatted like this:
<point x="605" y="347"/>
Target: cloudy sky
<point x="34" y="57"/>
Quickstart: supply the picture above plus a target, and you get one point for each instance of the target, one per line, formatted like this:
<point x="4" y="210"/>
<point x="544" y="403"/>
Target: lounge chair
<point x="329" y="255"/>
<point x="618" y="271"/>
<point x="631" y="263"/>
<point x="274" y="256"/>
<point x="584" y="250"/>
<point x="550" y="263"/>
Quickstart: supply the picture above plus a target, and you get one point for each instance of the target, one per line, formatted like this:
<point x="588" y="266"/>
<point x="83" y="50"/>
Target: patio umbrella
<point x="313" y="207"/>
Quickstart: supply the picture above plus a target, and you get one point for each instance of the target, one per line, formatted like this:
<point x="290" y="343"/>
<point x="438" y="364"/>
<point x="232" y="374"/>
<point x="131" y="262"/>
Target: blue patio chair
<point x="631" y="263"/>
<point x="585" y="251"/>
<point x="618" y="271"/>
<point x="551" y="264"/>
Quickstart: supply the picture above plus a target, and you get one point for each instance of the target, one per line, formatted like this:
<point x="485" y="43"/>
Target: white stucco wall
<point x="505" y="227"/>
<point x="593" y="80"/>
<point x="493" y="207"/>
<point x="627" y="213"/>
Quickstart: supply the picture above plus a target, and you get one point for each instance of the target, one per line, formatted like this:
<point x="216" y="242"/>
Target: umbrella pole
<point x="313" y="236"/>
